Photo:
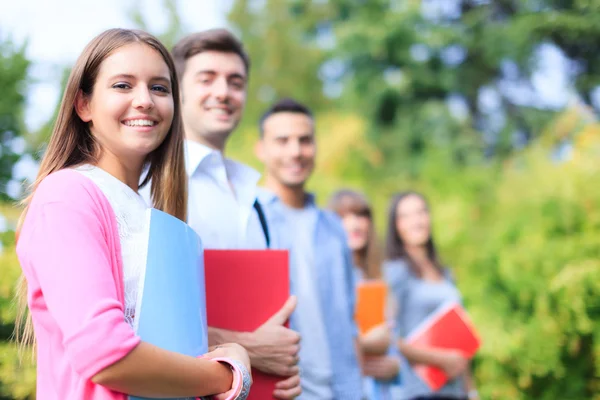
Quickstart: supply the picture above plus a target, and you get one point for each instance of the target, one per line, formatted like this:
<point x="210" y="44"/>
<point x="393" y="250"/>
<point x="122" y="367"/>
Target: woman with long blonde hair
<point x="119" y="116"/>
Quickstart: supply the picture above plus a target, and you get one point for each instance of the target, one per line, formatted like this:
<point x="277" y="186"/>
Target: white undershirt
<point x="130" y="211"/>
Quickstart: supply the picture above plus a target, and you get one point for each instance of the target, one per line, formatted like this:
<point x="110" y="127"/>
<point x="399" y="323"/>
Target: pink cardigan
<point x="70" y="253"/>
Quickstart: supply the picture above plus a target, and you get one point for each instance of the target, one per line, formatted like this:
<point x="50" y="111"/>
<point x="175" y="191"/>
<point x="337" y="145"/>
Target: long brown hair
<point x="72" y="143"/>
<point x="395" y="248"/>
<point x="368" y="258"/>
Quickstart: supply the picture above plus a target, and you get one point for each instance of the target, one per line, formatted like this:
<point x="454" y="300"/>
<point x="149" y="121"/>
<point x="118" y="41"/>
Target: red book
<point x="448" y="327"/>
<point x="244" y="288"/>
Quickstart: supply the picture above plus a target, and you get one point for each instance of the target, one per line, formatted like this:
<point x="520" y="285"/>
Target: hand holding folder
<point x="171" y="308"/>
<point x="281" y="341"/>
<point x="244" y="290"/>
<point x="448" y="328"/>
<point x="375" y="332"/>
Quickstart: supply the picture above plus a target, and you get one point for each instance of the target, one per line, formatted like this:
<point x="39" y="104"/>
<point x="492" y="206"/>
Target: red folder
<point x="244" y="288"/>
<point x="448" y="327"/>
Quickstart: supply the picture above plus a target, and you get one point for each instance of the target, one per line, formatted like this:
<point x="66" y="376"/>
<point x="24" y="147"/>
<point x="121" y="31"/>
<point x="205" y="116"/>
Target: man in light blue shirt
<point x="321" y="264"/>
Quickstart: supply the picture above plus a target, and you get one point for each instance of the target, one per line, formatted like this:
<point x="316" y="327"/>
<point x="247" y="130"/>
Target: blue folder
<point x="171" y="310"/>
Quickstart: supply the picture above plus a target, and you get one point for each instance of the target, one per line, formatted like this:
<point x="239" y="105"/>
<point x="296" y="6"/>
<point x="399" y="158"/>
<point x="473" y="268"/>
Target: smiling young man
<point x="321" y="262"/>
<point x="212" y="68"/>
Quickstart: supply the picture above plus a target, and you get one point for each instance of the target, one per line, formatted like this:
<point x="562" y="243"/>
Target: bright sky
<point x="58" y="30"/>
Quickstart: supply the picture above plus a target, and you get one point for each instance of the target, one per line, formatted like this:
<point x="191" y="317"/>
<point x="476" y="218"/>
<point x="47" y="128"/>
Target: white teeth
<point x="140" y="122"/>
<point x="219" y="111"/>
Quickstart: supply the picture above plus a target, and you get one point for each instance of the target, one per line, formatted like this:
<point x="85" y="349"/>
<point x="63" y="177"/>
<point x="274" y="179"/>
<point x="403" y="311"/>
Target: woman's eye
<point x="121" y="86"/>
<point x="160" y="88"/>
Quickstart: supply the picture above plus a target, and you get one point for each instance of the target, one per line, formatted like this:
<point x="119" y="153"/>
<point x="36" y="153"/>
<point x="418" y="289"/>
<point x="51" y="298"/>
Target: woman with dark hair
<point x="380" y="358"/>
<point x="420" y="284"/>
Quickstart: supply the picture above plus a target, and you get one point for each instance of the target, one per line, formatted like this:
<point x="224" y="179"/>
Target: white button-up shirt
<point x="221" y="195"/>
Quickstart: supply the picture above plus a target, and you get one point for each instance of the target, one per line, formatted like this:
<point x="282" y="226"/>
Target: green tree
<point x="13" y="80"/>
<point x="526" y="258"/>
<point x="418" y="69"/>
<point x="284" y="62"/>
<point x="16" y="378"/>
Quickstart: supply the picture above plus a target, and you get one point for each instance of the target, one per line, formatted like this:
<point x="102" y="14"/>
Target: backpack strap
<point x="263" y="222"/>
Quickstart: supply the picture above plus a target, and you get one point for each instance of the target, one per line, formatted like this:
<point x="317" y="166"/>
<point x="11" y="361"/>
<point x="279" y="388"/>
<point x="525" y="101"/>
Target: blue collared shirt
<point x="417" y="299"/>
<point x="334" y="285"/>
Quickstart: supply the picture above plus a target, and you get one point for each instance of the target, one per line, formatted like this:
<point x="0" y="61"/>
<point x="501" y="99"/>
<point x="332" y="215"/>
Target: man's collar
<point x="194" y="154"/>
<point x="267" y="196"/>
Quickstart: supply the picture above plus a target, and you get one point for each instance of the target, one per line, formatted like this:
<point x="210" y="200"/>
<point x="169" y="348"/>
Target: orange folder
<point x="448" y="327"/>
<point x="370" y="304"/>
<point x="244" y="288"/>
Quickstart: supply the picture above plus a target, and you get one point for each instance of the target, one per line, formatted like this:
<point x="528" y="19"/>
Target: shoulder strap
<point x="263" y="222"/>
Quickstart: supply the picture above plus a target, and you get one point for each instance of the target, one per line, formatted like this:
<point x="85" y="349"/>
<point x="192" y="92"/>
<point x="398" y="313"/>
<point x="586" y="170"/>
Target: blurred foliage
<point x="422" y="73"/>
<point x="17" y="374"/>
<point x="15" y="381"/>
<point x="13" y="73"/>
<point x="398" y="89"/>
<point x="283" y="63"/>
<point x="38" y="139"/>
<point x="528" y="262"/>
